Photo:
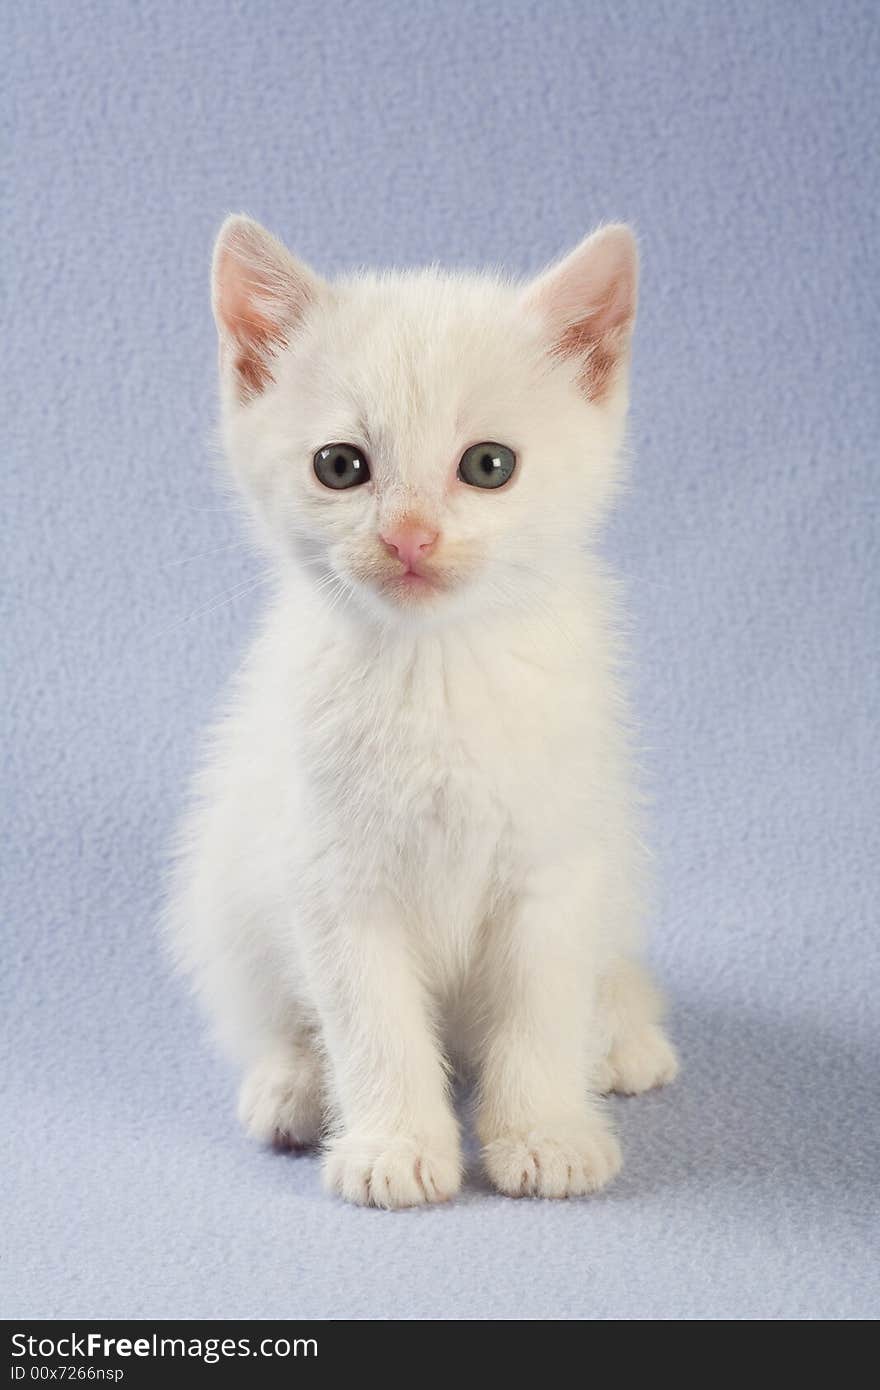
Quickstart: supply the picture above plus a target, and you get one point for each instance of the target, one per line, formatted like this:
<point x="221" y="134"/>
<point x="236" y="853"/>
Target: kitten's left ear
<point x="588" y="303"/>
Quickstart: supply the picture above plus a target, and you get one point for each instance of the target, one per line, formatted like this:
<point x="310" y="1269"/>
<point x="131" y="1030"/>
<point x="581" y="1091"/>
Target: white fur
<point x="413" y="844"/>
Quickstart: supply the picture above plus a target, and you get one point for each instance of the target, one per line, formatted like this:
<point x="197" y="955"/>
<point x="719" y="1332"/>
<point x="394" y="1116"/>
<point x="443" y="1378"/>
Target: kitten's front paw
<point x="392" y="1172"/>
<point x="564" y="1163"/>
<point x="638" y="1062"/>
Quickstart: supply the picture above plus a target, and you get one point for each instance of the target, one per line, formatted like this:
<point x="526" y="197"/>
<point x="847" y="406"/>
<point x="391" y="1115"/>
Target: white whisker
<point x="213" y="606"/>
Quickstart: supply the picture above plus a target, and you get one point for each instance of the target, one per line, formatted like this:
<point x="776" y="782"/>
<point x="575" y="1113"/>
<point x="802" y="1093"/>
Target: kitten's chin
<point x="419" y="593"/>
<point x="411" y="597"/>
<point x="410" y="593"/>
<point x="408" y="588"/>
<point x="411" y="587"/>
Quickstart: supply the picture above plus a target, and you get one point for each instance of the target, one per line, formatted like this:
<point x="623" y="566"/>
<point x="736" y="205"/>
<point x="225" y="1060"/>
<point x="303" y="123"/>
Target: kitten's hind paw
<point x="638" y="1061"/>
<point x="281" y="1101"/>
<point x="392" y="1172"/>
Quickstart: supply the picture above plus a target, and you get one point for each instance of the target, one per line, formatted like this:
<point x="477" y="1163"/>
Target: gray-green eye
<point x="487" y="465"/>
<point x="341" y="465"/>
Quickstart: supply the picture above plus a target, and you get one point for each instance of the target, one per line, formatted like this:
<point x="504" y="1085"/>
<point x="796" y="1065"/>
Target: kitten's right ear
<point x="259" y="294"/>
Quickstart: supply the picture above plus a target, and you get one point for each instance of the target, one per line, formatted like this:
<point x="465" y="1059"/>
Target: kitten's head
<point x="424" y="443"/>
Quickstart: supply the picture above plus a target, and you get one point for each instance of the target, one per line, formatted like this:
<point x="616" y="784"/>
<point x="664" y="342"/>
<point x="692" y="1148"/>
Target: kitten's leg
<point x="639" y="1054"/>
<point x="282" y="1100"/>
<point x="397" y="1142"/>
<point x="543" y="1134"/>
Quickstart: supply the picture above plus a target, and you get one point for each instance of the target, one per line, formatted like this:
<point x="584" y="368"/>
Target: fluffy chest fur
<point x="436" y="767"/>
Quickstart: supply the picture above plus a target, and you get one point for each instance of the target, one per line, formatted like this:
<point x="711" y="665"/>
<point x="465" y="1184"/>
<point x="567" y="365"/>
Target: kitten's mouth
<point x="417" y="583"/>
<point x="412" y="581"/>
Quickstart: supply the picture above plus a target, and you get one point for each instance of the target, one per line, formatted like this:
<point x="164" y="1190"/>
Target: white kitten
<point x="413" y="843"/>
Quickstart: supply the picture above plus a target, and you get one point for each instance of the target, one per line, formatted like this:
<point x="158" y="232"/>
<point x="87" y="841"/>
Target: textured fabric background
<point x="742" y="141"/>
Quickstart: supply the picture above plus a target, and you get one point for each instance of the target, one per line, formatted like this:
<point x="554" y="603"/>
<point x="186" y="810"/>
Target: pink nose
<point x="410" y="543"/>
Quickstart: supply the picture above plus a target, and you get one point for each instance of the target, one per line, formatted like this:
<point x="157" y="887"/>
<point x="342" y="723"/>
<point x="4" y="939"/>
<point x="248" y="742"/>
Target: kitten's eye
<point x="341" y="465"/>
<point x="487" y="465"/>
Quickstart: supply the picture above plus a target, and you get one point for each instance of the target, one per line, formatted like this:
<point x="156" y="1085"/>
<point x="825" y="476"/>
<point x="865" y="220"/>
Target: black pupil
<point x="340" y="465"/>
<point x="487" y="463"/>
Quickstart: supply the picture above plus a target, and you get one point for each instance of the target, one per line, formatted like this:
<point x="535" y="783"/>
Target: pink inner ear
<point x="254" y="334"/>
<point x="589" y="301"/>
<point x="596" y="339"/>
<point x="258" y="294"/>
